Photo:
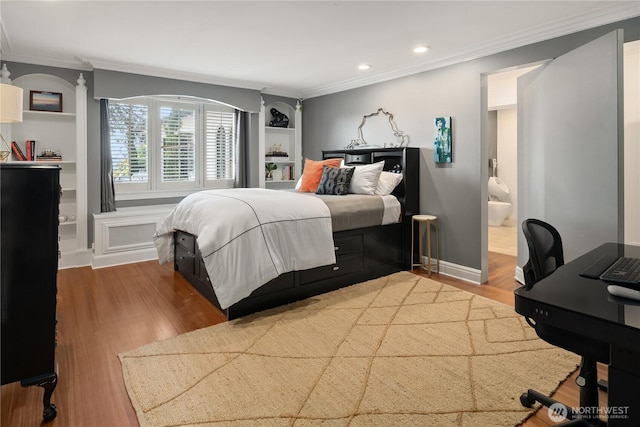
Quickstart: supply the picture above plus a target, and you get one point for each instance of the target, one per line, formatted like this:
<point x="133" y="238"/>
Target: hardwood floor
<point x="108" y="311"/>
<point x="102" y="313"/>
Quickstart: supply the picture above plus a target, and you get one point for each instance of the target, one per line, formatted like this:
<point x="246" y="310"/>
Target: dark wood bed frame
<point x="361" y="254"/>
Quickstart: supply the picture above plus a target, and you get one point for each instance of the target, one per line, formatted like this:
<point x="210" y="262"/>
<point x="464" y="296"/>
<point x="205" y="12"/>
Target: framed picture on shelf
<point x="45" y="101"/>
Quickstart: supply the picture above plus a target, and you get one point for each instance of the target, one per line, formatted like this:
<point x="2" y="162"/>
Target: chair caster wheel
<point x="526" y="401"/>
<point x="49" y="412"/>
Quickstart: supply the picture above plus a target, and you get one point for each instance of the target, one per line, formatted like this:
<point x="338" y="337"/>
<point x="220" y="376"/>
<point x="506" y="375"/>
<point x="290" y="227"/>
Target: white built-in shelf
<point x="55" y="162"/>
<point x="279" y="180"/>
<point x="289" y="139"/>
<point x="45" y="162"/>
<point x="48" y="115"/>
<point x="276" y="128"/>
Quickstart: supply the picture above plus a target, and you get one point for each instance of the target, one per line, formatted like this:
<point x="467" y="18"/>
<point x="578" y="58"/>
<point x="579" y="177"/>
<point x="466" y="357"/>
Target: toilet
<point x="499" y="201"/>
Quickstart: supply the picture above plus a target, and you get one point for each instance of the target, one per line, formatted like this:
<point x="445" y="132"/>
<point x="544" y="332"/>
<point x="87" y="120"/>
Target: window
<point x="162" y="145"/>
<point x="177" y="144"/>
<point x="128" y="125"/>
<point x="220" y="147"/>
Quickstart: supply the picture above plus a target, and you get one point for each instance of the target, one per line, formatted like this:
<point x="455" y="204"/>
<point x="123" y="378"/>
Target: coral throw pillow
<point x="313" y="173"/>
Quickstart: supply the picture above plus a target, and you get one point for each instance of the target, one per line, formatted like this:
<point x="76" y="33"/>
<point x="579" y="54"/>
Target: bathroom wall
<point x="507" y="136"/>
<point x="501" y="101"/>
<point x="492" y="137"/>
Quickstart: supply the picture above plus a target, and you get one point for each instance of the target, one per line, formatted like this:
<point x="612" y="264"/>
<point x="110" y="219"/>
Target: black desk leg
<point x="624" y="401"/>
<point x="49" y="383"/>
<point x="624" y="383"/>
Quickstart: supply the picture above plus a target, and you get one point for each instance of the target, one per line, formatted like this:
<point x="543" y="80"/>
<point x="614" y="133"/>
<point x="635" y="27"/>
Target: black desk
<point x="569" y="301"/>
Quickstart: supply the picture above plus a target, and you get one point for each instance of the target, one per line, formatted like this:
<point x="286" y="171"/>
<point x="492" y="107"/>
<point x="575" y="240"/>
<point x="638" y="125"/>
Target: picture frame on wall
<point x="40" y="100"/>
<point x="442" y="141"/>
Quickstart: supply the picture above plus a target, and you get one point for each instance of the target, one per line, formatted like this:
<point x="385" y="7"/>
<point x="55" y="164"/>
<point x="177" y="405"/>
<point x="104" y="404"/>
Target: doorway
<point x="502" y="140"/>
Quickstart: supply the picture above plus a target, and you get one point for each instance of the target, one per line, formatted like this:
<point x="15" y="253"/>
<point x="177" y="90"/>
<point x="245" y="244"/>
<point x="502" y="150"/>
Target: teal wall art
<point x="442" y="140"/>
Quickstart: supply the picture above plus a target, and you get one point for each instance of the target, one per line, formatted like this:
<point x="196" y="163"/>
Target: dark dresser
<point x="30" y="194"/>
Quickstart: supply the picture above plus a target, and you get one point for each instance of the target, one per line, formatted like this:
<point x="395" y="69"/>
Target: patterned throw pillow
<point x="335" y="181"/>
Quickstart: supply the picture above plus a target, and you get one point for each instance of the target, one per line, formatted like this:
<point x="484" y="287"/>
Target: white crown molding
<point x="285" y="92"/>
<point x="5" y="46"/>
<point x="46" y="61"/>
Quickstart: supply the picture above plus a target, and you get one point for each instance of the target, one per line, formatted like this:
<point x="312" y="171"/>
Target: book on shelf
<point x="287" y="173"/>
<point x="17" y="152"/>
<point x="30" y="146"/>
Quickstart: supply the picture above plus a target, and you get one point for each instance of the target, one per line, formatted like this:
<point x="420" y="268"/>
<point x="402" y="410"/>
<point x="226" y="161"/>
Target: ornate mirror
<point x="381" y="131"/>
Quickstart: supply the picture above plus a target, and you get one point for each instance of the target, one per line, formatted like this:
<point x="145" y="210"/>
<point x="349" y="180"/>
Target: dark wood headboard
<point x="401" y="160"/>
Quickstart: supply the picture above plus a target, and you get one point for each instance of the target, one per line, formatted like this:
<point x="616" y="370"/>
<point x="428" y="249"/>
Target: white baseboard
<point x="457" y="271"/>
<point x="128" y="257"/>
<point x="67" y="260"/>
<point x="519" y="275"/>
<point x="80" y="258"/>
<point x="467" y="273"/>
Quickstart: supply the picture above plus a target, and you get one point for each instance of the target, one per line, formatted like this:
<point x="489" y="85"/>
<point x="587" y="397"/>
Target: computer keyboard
<point x="625" y="270"/>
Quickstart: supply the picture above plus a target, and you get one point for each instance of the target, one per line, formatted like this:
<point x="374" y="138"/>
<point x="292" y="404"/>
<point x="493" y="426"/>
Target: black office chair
<point x="545" y="256"/>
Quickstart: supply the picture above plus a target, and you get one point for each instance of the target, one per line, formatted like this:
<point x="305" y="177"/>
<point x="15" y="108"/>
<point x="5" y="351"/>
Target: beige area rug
<point x="400" y="350"/>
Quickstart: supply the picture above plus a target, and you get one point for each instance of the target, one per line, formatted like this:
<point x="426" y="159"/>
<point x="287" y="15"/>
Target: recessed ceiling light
<point x="421" y="49"/>
<point x="364" y="67"/>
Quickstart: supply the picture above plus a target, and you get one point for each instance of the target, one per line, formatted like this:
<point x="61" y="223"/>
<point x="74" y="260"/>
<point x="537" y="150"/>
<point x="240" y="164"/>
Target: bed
<point x="354" y="251"/>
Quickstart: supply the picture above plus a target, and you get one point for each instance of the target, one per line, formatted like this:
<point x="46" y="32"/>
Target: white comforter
<point x="249" y="236"/>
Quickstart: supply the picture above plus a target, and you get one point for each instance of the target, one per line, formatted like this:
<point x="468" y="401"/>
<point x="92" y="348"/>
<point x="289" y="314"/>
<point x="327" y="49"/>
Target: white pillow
<point x="387" y="183"/>
<point x="365" y="178"/>
<point x="299" y="183"/>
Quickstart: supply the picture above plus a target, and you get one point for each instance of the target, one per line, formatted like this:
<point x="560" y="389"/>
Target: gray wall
<point x="455" y="192"/>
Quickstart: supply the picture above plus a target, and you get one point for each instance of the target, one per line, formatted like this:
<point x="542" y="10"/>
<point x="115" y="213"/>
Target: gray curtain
<point x="242" y="147"/>
<point x="107" y="191"/>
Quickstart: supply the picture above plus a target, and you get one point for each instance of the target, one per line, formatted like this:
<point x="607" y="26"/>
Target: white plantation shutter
<point x="178" y="144"/>
<point x="220" y="150"/>
<point x="129" y="136"/>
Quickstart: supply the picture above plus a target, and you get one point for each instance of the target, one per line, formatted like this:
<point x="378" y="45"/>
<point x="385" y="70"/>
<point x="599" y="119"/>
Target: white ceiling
<point x="299" y="49"/>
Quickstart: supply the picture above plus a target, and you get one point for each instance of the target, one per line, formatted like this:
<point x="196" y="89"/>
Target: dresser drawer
<point x="186" y="240"/>
<point x="201" y="271"/>
<point x="184" y="259"/>
<point x="345" y="264"/>
<point x="348" y="245"/>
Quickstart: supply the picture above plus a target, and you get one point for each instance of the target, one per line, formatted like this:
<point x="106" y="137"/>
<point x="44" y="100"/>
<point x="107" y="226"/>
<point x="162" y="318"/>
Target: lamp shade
<point x="10" y="103"/>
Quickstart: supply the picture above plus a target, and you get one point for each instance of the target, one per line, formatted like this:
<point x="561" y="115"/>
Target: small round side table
<point x="425" y="220"/>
